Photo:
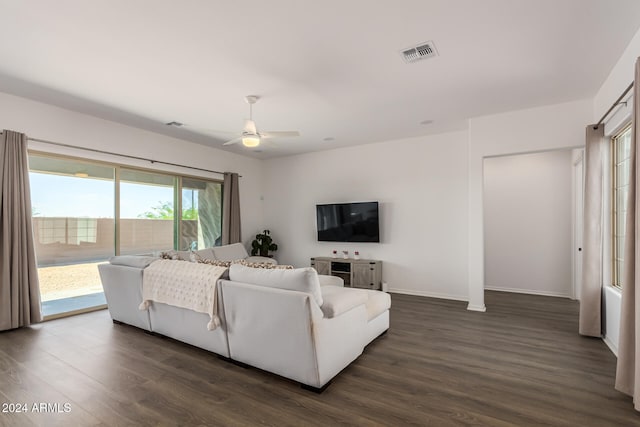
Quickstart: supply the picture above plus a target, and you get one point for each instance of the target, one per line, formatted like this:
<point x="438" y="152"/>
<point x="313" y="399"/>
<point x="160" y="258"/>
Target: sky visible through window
<point x="64" y="196"/>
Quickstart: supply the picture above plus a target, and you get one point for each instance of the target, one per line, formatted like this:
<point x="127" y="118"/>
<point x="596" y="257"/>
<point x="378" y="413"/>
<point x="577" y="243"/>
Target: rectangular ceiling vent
<point x="422" y="51"/>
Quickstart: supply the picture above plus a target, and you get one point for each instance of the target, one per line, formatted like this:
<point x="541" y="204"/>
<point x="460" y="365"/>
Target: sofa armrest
<point x="270" y="329"/>
<point x="122" y="286"/>
<point x="136" y="261"/>
<point x="326" y="280"/>
<point x="337" y="300"/>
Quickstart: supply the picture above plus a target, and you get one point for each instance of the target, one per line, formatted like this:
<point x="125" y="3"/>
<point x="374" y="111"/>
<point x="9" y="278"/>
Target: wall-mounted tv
<point x="348" y="222"/>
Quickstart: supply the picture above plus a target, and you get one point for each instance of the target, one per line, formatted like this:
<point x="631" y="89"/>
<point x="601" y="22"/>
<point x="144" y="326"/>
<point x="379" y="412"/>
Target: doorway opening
<point x="530" y="211"/>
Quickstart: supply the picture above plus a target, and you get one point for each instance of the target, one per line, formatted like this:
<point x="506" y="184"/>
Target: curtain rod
<point x="615" y="104"/>
<point x="123" y="155"/>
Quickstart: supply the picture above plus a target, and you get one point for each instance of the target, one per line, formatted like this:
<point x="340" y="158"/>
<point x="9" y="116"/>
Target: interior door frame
<point x="577" y="205"/>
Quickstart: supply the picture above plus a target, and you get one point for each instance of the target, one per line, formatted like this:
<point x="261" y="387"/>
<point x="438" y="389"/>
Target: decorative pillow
<point x="176" y="255"/>
<point x="261" y="259"/>
<point x="230" y="252"/>
<point x="215" y="262"/>
<point x="267" y="265"/>
<point x="205" y="256"/>
<point x="184" y="255"/>
<point x="297" y="279"/>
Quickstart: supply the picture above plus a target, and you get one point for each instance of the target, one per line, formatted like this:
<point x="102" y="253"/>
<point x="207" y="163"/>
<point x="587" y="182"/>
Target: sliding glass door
<point x="73" y="217"/>
<point x="78" y="206"/>
<point x="146" y="212"/>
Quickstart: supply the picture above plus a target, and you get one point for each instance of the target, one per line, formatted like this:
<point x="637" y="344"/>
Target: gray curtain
<point x="19" y="287"/>
<point x="591" y="291"/>
<point x="628" y="368"/>
<point x="230" y="209"/>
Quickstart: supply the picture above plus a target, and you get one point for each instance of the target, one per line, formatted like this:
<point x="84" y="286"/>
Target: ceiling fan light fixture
<point x="250" y="137"/>
<point x="251" y="141"/>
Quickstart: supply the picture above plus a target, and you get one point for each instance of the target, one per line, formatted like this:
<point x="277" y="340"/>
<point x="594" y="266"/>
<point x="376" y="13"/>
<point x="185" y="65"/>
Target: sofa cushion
<point x="298" y="279"/>
<point x="230" y="252"/>
<point x="136" y="261"/>
<point x="338" y="300"/>
<point x="206" y="253"/>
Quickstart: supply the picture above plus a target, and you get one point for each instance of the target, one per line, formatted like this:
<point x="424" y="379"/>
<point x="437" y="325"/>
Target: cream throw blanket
<point x="183" y="284"/>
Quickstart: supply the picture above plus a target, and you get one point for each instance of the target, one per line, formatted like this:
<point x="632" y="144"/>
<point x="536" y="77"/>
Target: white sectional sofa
<point x="293" y="323"/>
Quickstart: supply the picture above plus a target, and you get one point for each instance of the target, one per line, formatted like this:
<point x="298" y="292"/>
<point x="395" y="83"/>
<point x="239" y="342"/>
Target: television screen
<point x="348" y="222"/>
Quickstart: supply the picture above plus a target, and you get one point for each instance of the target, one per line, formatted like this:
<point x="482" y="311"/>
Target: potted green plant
<point x="262" y="244"/>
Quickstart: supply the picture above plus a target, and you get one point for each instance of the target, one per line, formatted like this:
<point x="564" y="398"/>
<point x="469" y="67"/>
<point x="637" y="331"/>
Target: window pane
<point x="622" y="173"/>
<point x="620" y="246"/>
<point x="146" y="212"/>
<point x="620" y="149"/>
<point x="621" y="201"/>
<point x="620" y="270"/>
<point x="626" y="146"/>
<point x="621" y="165"/>
<point x="620" y="225"/>
<point x="73" y="221"/>
<point x="201" y="225"/>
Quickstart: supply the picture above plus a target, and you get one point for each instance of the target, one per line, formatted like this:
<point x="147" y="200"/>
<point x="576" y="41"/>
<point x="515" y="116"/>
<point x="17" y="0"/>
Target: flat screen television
<point x="348" y="222"/>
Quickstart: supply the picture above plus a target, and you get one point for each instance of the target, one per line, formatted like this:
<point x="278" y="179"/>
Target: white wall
<point x="517" y="132"/>
<point x="577" y="226"/>
<point x="414" y="180"/>
<point x="619" y="78"/>
<point x="42" y="121"/>
<point x="421" y="184"/>
<point x="528" y="223"/>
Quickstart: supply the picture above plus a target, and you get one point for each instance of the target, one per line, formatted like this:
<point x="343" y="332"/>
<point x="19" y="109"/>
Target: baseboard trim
<point x="427" y="294"/>
<point x="528" y="291"/>
<point x="481" y="308"/>
<point x="611" y="345"/>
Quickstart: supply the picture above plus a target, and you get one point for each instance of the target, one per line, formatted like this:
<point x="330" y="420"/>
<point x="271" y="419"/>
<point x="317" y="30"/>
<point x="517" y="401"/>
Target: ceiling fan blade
<point x="233" y="141"/>
<point x="208" y="130"/>
<point x="270" y="144"/>
<point x="195" y="128"/>
<point x="250" y="127"/>
<point x="280" y="134"/>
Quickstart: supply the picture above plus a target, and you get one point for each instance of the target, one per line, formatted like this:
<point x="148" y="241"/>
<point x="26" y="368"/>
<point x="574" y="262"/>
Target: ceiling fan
<point x="250" y="136"/>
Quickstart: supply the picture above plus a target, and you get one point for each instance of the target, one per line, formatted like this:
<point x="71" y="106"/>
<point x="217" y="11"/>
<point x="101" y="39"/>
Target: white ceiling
<point x="325" y="68"/>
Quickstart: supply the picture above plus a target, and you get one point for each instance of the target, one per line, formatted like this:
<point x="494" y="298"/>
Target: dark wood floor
<point x="521" y="363"/>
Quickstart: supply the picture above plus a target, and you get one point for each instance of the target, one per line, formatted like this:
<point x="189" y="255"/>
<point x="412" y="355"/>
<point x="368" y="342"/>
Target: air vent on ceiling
<point x="422" y="51"/>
